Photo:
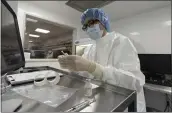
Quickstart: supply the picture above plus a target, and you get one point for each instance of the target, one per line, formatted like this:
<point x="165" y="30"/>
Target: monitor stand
<point x="11" y="105"/>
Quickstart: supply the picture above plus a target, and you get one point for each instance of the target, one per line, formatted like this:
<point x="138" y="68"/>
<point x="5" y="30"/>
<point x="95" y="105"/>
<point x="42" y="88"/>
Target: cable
<point x="169" y="83"/>
<point x="171" y="108"/>
<point x="165" y="108"/>
<point x="169" y="98"/>
<point x="168" y="103"/>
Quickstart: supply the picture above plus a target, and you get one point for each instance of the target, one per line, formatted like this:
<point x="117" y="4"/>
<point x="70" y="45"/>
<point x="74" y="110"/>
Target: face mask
<point x="94" y="32"/>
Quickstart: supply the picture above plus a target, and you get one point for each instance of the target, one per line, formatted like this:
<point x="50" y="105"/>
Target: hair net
<point x="95" y="13"/>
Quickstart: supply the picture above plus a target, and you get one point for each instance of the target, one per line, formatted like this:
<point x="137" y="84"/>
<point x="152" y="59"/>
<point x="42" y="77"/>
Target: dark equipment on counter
<point x="12" y="56"/>
<point x="155" y="68"/>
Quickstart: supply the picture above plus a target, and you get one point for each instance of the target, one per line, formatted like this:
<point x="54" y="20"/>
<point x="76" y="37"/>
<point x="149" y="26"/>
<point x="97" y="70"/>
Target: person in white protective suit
<point x="112" y="58"/>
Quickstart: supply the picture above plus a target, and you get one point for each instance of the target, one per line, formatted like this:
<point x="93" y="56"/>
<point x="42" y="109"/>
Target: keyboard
<point x="21" y="78"/>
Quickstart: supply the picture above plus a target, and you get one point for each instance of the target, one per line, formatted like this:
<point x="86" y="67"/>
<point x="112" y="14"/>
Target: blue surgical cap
<point x="96" y="13"/>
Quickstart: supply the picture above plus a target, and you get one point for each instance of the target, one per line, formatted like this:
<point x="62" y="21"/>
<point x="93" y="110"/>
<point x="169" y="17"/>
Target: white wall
<point x="21" y="22"/>
<point x="154" y="36"/>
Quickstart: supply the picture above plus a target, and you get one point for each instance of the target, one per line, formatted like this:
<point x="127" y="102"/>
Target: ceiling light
<point x="30" y="41"/>
<point x="135" y="33"/>
<point x="168" y="23"/>
<point x="42" y="30"/>
<point x="31" y="20"/>
<point x="32" y="35"/>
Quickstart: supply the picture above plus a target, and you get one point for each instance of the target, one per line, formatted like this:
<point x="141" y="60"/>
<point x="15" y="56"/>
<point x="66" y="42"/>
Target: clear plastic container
<point x="45" y="81"/>
<point x="88" y="88"/>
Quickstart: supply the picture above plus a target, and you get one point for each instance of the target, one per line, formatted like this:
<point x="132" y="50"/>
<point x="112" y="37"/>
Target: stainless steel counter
<point x="108" y="97"/>
<point x="159" y="88"/>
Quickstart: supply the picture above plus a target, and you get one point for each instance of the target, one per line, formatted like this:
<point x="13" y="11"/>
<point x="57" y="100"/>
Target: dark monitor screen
<point x="12" y="56"/>
<point x="156" y="63"/>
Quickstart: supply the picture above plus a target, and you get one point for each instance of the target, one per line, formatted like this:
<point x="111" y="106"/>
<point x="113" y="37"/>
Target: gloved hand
<point x="76" y="63"/>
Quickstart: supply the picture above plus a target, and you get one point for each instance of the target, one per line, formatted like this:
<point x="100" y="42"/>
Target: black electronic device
<point x="156" y="63"/>
<point x="12" y="55"/>
<point x="155" y="67"/>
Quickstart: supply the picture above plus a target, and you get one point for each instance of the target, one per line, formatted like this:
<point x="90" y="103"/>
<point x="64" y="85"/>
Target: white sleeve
<point x="126" y="73"/>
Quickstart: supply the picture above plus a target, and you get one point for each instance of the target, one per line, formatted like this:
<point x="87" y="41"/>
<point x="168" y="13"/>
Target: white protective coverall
<point x="121" y="65"/>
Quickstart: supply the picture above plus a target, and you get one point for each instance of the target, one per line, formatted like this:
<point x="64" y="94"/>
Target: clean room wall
<point x="155" y="37"/>
<point x="58" y="17"/>
<point x="21" y="22"/>
<point x="36" y="8"/>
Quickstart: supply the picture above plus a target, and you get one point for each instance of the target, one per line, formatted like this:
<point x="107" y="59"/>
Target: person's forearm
<point x="117" y="77"/>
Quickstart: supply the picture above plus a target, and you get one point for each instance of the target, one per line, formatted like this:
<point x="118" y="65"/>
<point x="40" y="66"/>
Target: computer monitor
<point x="12" y="56"/>
<point x="156" y="63"/>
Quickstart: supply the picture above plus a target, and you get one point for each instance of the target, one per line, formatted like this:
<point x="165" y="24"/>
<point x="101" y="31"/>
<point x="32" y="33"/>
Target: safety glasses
<point x="90" y="23"/>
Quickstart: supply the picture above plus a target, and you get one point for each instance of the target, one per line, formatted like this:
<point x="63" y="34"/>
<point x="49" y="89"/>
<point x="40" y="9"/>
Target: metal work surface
<point x="159" y="88"/>
<point x="107" y="97"/>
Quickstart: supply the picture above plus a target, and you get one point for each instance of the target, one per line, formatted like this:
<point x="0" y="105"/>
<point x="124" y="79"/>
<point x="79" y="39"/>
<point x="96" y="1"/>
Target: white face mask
<point x="94" y="32"/>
